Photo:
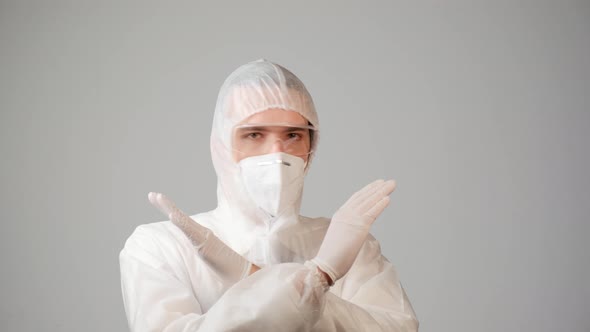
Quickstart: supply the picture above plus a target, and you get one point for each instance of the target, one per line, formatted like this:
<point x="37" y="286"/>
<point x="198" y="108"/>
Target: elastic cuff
<point x="318" y="275"/>
<point x="325" y="268"/>
<point x="246" y="271"/>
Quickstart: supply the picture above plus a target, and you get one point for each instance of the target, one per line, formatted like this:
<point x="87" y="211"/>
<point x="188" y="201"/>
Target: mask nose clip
<point x="272" y="162"/>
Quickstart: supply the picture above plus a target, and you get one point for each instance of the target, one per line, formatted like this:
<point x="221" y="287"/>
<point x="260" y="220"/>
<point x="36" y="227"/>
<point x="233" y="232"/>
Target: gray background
<point x="480" y="110"/>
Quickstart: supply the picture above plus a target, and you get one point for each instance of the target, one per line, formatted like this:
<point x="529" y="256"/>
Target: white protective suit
<point x="167" y="286"/>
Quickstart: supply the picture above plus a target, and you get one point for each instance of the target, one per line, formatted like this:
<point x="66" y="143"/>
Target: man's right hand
<point x="228" y="263"/>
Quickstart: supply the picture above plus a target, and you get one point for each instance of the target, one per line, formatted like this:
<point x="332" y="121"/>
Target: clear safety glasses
<point x="262" y="138"/>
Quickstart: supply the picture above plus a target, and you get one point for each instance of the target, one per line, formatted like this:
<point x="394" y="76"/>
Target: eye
<point x="294" y="136"/>
<point x="253" y="135"/>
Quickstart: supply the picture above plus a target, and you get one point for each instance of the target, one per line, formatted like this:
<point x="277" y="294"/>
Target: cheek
<point x="236" y="157"/>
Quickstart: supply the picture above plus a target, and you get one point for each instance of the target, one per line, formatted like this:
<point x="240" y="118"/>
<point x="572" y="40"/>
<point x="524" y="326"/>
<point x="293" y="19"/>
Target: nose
<point x="277" y="146"/>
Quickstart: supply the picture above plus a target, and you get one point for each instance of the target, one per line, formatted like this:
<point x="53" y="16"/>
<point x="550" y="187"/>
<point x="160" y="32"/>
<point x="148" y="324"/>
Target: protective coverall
<point x="168" y="286"/>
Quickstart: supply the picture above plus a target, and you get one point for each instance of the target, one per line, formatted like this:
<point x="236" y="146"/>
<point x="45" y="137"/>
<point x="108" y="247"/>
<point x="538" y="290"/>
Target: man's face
<point x="270" y="131"/>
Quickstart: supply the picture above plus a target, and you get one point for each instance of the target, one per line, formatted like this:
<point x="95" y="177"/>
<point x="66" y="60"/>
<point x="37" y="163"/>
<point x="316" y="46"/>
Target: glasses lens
<point x="253" y="140"/>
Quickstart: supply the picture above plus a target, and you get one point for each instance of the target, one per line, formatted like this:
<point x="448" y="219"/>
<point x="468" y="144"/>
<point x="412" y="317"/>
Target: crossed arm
<point x="160" y="296"/>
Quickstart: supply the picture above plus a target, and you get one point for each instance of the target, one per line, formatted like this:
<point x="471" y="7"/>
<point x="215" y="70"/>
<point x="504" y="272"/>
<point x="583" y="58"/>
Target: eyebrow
<point x="252" y="129"/>
<point x="265" y="129"/>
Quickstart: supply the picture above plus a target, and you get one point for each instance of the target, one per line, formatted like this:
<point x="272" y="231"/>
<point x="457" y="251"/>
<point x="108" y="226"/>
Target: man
<point x="253" y="263"/>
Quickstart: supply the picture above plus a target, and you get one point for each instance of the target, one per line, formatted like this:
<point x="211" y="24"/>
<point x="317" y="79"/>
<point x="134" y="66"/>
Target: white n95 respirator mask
<point x="273" y="181"/>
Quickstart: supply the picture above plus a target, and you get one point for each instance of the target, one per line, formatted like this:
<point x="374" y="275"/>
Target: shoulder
<point x="371" y="246"/>
<point x="151" y="234"/>
<point x="149" y="243"/>
<point x="161" y="233"/>
<point x="316" y="223"/>
<point x="158" y="244"/>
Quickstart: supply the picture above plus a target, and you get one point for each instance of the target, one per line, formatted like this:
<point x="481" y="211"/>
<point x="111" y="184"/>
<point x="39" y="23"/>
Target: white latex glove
<point x="228" y="263"/>
<point x="349" y="228"/>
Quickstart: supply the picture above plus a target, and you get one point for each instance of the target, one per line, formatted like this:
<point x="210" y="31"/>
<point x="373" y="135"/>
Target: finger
<point x="365" y="191"/>
<point x="166" y="204"/>
<point x="385" y="189"/>
<point x="389" y="187"/>
<point x="180" y="219"/>
<point x="378" y="208"/>
<point x="153" y="198"/>
<point x="193" y="230"/>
